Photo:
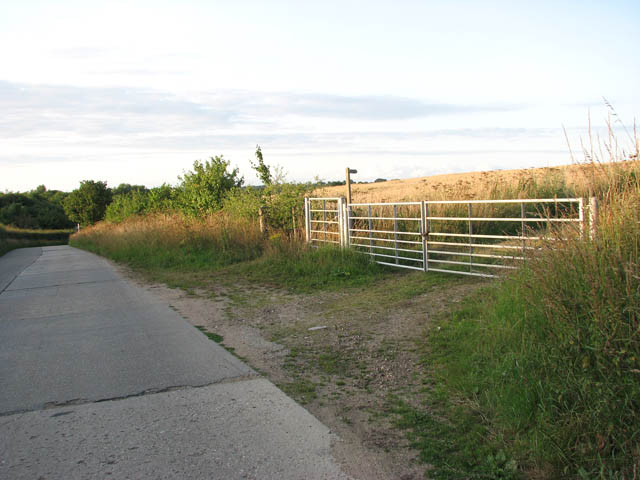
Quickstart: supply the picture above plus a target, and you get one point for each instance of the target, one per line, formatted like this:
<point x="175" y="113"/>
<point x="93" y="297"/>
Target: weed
<point x="334" y="362"/>
<point x="457" y="446"/>
<point x="219" y="340"/>
<point x="212" y="336"/>
<point x="301" y="390"/>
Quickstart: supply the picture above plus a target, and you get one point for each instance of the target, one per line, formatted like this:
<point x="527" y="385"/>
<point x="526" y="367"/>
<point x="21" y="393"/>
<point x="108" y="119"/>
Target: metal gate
<point x="324" y="220"/>
<point x="392" y="233"/>
<point x="467" y="237"/>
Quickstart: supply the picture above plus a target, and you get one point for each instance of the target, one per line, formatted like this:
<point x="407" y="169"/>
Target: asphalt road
<point x="99" y="379"/>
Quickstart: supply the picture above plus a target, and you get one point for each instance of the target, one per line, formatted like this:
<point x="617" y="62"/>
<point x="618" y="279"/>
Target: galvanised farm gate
<point x="466" y="237"/>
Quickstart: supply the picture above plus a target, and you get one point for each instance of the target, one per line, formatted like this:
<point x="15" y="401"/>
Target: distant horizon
<point x="354" y="178"/>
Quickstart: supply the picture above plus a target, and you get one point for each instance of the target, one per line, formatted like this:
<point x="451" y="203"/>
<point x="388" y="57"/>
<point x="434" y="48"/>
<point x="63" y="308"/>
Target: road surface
<point x="98" y="379"/>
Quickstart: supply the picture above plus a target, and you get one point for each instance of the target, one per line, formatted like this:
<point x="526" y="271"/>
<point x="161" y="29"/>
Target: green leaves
<point x="87" y="204"/>
<point x="40" y="208"/>
<point x="203" y="190"/>
<point x="263" y="171"/>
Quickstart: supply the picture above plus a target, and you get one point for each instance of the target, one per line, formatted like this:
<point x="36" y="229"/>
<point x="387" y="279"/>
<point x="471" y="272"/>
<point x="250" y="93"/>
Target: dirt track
<point x="343" y="374"/>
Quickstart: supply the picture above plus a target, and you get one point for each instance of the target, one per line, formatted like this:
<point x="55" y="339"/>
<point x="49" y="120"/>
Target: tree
<point x="125" y="188"/>
<point x="87" y="204"/>
<point x="38" y="208"/>
<point x="203" y="190"/>
<point x="261" y="169"/>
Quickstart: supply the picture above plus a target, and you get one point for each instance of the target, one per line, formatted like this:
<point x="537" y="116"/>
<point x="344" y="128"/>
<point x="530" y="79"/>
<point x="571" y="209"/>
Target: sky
<point x="136" y="91"/>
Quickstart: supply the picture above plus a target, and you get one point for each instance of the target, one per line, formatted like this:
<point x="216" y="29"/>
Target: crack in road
<point x="59" y="285"/>
<point x="149" y="391"/>
<point x="20" y="272"/>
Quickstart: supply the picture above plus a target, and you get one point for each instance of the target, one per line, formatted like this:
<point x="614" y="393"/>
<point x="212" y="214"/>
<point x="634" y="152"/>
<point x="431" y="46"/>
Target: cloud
<point x="346" y="107"/>
<point x="40" y="109"/>
<point x="81" y="52"/>
<point x="43" y="109"/>
<point x="152" y="135"/>
<point x="87" y="100"/>
<point x="374" y="107"/>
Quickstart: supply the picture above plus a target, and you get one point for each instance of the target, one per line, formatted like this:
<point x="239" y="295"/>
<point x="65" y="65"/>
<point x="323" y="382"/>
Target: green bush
<point x="243" y="202"/>
<point x="138" y="202"/>
<point x="202" y="191"/>
<point x="125" y="205"/>
<point x="36" y="209"/>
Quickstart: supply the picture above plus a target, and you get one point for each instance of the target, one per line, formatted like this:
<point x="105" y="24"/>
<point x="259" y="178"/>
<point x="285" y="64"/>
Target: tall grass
<point x="174" y="242"/>
<point x="550" y="357"/>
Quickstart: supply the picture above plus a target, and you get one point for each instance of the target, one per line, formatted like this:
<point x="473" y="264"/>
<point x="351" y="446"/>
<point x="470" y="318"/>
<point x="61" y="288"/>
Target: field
<point x="572" y="180"/>
<point x="533" y="375"/>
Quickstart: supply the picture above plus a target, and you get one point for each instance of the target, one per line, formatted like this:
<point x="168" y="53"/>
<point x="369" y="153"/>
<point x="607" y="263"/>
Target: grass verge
<point x="12" y="238"/>
<point x="545" y="365"/>
<point x="302" y="269"/>
<point x="188" y="253"/>
<point x="173" y="242"/>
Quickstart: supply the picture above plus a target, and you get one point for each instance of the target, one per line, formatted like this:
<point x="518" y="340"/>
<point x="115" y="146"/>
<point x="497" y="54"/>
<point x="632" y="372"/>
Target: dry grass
<point x="577" y="178"/>
<point x="174" y="241"/>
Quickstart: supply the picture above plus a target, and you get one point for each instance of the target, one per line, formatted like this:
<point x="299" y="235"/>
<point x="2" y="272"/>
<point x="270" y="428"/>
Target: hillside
<point x="474" y="185"/>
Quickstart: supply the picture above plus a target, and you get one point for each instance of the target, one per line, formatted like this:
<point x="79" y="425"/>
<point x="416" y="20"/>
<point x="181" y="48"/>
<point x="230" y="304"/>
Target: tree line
<point x="36" y="209"/>
<point x="210" y="186"/>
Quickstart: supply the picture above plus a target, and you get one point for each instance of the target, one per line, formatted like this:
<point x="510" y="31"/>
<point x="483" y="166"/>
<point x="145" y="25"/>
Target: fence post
<point x="470" y="239"/>
<point x="581" y="217"/>
<point x="261" y="219"/>
<point x="370" y="233"/>
<point x="522" y="230"/>
<point x="324" y="218"/>
<point x="395" y="231"/>
<point x="593" y="217"/>
<point x="424" y="233"/>
<point x="346" y="222"/>
<point x="340" y="219"/>
<point x="307" y="213"/>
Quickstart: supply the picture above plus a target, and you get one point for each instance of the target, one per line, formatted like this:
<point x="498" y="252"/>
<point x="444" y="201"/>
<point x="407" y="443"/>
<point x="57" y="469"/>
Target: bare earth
<point x="343" y="374"/>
